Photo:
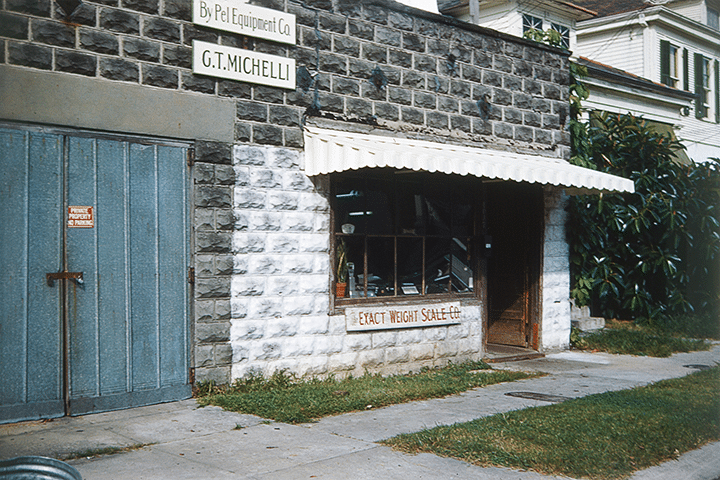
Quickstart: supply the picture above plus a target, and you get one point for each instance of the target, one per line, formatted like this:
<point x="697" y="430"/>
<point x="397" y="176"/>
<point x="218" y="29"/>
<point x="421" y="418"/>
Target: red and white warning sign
<point x="80" y="217"/>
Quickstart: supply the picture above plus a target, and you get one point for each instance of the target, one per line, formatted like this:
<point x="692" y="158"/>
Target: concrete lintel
<point x="74" y="101"/>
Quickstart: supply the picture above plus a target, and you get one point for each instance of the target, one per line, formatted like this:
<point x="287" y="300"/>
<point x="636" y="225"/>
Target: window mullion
<point x="395" y="261"/>
<point x="422" y="283"/>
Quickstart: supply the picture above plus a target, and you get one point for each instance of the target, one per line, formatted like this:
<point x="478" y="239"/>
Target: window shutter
<point x="717" y="91"/>
<point x="686" y="70"/>
<point x="699" y="87"/>
<point x="665" y="62"/>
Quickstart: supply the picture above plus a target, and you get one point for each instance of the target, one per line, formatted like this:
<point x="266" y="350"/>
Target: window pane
<point x="378" y="213"/>
<point x="381" y="267"/>
<point x="410" y="265"/>
<point x="439" y="211"/>
<point x="532" y="23"/>
<point x="349" y="200"/>
<point x="564" y="33"/>
<point x="437" y="265"/>
<point x="713" y="17"/>
<point x="462" y="274"/>
<point x="355" y="250"/>
<point x="462" y="219"/>
<point x="411" y="210"/>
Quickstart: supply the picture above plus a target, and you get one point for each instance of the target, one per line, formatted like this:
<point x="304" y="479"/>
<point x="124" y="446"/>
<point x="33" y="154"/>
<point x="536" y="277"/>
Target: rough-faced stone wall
<point x="261" y="227"/>
<point x="280" y="290"/>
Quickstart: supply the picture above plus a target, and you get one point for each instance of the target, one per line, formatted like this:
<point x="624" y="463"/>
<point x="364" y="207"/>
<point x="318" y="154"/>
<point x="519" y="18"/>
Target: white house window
<point x="670" y="64"/>
<point x="564" y="33"/>
<point x="531" y="23"/>
<point x="712" y="18"/>
<point x="702" y="86"/>
<point x="403" y="234"/>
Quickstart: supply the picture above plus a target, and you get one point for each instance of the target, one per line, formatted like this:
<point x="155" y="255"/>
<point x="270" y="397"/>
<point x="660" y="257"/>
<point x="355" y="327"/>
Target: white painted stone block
<point x="298" y="222"/>
<point x="314" y="243"/>
<point x="370" y="359"/>
<point x="342" y="362"/>
<point x="283" y="285"/>
<point x="250" y="155"/>
<point x="248" y="242"/>
<point x="247" y="285"/>
<point x="383" y="339"/>
<point x="336" y="325"/>
<point x="298" y="346"/>
<point x="435" y="334"/>
<point x="264" y="307"/>
<point x="397" y="355"/>
<point x="410" y="336"/>
<point x="299" y="264"/>
<point x="313" y="325"/>
<point x="425" y="351"/>
<point x="263" y="264"/>
<point x="299" y="306"/>
<point x="356" y="341"/>
<point x="244" y="330"/>
<point x="238" y="307"/>
<point x="283" y="243"/>
<point x="313" y="202"/>
<point x="328" y="344"/>
<point x="264" y="221"/>
<point x="446" y="349"/>
<point x="281" y="327"/>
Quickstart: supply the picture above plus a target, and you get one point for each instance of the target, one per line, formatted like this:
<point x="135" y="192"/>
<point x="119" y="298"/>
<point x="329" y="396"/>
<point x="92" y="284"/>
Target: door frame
<point x="534" y="213"/>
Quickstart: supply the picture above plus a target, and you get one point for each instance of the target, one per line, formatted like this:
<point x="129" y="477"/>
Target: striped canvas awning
<point x="328" y="151"/>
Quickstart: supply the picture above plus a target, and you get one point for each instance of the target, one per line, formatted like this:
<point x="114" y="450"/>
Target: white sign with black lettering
<point x="243" y="65"/>
<point x="238" y="17"/>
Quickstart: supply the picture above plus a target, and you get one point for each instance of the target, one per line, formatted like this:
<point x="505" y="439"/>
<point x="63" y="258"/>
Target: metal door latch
<point x="51" y="277"/>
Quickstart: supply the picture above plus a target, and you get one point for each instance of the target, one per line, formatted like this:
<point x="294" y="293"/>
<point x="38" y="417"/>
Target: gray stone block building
<point x="319" y="186"/>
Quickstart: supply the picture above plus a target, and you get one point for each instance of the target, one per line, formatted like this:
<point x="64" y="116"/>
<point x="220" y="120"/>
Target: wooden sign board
<point x="402" y="316"/>
<point x="243" y="65"/>
<point x="239" y="17"/>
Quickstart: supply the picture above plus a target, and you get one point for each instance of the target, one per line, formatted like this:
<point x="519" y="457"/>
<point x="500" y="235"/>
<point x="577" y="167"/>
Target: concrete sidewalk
<point x="186" y="442"/>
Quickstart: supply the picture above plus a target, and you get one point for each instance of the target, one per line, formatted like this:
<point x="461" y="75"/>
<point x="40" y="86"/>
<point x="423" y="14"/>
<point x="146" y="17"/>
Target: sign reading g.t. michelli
<point x="243" y="65"/>
<point x="401" y="316"/>
<point x="239" y="17"/>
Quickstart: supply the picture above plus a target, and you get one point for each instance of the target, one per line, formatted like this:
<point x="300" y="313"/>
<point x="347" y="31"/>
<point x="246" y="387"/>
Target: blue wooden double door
<point x="94" y="252"/>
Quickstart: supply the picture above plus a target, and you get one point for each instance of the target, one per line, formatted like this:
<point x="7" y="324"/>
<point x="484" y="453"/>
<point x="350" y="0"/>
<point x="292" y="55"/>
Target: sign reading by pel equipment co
<point x="243" y="65"/>
<point x="238" y="17"/>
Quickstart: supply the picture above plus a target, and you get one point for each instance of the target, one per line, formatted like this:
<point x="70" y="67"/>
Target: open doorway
<point x="514" y="221"/>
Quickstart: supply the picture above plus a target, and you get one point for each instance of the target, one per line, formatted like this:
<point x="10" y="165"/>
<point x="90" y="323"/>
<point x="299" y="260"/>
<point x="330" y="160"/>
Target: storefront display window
<point x="404" y="234"/>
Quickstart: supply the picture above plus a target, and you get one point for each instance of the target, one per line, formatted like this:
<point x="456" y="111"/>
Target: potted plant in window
<point x="341" y="268"/>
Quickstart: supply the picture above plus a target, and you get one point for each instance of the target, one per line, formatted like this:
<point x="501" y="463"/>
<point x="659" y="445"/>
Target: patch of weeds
<point x="603" y="436"/>
<point x="97" y="452"/>
<point x="286" y="398"/>
<point x="632" y="340"/>
<point x="693" y="325"/>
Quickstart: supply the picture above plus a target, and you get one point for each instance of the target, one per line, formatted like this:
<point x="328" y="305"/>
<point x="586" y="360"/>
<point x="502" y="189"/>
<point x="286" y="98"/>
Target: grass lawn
<point x="604" y="436"/>
<point x="628" y="338"/>
<point x="285" y="399"/>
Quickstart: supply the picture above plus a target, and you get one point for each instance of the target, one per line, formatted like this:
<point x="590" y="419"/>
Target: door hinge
<point x="191" y="275"/>
<point x="190" y="157"/>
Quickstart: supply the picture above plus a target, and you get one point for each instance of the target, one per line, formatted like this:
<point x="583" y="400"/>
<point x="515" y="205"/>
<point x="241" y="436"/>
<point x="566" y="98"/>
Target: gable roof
<point x="605" y="8"/>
